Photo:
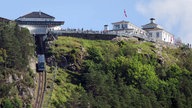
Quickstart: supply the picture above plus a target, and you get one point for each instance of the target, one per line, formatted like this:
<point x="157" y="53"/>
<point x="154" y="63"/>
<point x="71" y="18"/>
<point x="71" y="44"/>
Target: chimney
<point x="40" y="13"/>
<point x="152" y="20"/>
<point x="105" y="27"/>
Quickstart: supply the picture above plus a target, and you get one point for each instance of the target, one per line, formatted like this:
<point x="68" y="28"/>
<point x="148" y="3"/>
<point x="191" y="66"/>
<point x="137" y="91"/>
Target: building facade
<point x="157" y="33"/>
<point x="39" y="22"/>
<point x="127" y="28"/>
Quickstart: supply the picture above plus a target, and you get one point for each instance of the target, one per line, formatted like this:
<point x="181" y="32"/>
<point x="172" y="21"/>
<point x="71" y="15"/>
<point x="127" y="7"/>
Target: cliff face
<point x="16" y="77"/>
<point x="118" y="73"/>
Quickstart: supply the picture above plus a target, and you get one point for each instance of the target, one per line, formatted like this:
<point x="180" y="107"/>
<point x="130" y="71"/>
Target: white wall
<point x="56" y="28"/>
<point x="163" y="35"/>
<point x="136" y="30"/>
<point x="154" y="34"/>
<point x="36" y="29"/>
<point x="167" y="37"/>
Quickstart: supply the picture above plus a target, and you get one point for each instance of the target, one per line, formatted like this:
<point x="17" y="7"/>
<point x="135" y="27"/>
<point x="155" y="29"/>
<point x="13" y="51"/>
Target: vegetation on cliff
<point x="16" y="78"/>
<point x="120" y="74"/>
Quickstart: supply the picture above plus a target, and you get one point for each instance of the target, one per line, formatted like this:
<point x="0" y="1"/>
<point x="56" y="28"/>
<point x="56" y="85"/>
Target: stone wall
<point x="90" y="36"/>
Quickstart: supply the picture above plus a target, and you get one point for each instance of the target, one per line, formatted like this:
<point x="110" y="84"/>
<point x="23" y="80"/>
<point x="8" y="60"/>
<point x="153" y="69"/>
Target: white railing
<point x="144" y="36"/>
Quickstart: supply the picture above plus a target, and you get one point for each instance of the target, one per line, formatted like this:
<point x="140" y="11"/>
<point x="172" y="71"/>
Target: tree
<point x="95" y="54"/>
<point x="7" y="104"/>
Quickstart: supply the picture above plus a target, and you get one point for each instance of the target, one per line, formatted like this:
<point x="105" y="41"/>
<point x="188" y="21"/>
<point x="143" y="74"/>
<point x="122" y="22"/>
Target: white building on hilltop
<point x="125" y="28"/>
<point x="157" y="33"/>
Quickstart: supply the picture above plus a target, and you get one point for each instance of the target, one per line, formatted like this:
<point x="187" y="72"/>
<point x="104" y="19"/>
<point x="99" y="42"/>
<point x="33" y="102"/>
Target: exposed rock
<point x="10" y="79"/>
<point x="15" y="77"/>
<point x="25" y="95"/>
<point x="139" y="50"/>
<point x="21" y="77"/>
<point x="64" y="61"/>
<point x="120" y="39"/>
<point x="32" y="64"/>
<point x="31" y="91"/>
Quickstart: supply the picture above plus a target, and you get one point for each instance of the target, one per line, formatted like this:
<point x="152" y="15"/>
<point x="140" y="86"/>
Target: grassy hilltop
<point x="118" y="74"/>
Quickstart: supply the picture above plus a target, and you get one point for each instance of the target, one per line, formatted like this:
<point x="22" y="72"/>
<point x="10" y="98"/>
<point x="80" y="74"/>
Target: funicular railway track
<point x="40" y="92"/>
<point x="41" y="72"/>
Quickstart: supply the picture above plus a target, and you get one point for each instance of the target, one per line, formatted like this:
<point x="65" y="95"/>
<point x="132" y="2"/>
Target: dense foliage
<point x="122" y="74"/>
<point x="16" y="47"/>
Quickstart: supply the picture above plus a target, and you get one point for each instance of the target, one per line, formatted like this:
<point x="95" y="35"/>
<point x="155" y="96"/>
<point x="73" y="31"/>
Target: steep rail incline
<point x="41" y="80"/>
<point x="40" y="92"/>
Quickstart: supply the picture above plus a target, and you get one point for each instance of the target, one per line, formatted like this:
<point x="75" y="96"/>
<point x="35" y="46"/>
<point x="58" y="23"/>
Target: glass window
<point x="150" y="34"/>
<point x="124" y="26"/>
<point x="157" y="34"/>
<point x="116" y="27"/>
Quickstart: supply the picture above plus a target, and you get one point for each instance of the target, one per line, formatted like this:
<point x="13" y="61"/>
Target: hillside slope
<point x="16" y="77"/>
<point x="118" y="74"/>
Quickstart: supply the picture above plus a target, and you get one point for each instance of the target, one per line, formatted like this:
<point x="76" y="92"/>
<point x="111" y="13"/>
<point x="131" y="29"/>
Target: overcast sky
<point x="173" y="15"/>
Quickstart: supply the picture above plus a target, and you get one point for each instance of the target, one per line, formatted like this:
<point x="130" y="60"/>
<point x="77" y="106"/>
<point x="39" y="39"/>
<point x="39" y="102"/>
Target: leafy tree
<point x="114" y="75"/>
<point x="16" y="47"/>
<point x="3" y="56"/>
<point x="17" y="102"/>
<point x="95" y="54"/>
<point x="7" y="104"/>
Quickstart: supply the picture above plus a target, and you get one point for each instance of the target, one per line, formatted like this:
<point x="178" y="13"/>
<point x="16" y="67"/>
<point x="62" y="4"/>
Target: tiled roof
<point x="37" y="15"/>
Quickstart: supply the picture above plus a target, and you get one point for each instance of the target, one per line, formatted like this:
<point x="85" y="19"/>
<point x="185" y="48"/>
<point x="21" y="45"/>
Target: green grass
<point x="75" y="47"/>
<point x="67" y="44"/>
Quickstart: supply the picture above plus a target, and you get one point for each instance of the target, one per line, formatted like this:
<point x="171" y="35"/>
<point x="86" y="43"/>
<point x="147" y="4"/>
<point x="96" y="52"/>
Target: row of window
<point x="123" y="26"/>
<point x="157" y="34"/>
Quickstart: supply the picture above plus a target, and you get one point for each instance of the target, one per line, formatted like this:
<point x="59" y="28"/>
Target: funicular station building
<point x="39" y="24"/>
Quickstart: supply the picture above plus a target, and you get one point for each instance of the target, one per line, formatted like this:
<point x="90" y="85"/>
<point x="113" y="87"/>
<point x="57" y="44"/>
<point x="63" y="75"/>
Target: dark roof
<point x="149" y="26"/>
<point x="152" y="29"/>
<point x="49" y="23"/>
<point x="4" y="20"/>
<point x="120" y="22"/>
<point x="37" y="15"/>
<point x="152" y="26"/>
